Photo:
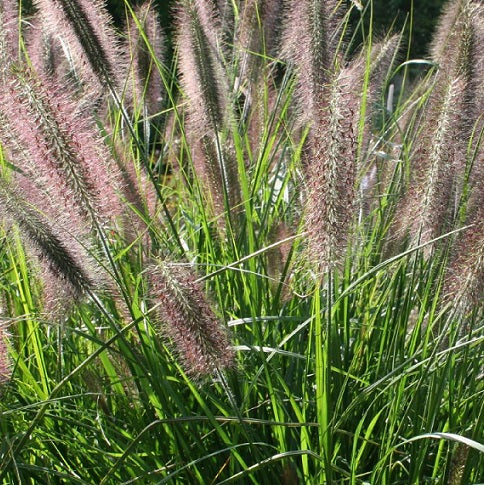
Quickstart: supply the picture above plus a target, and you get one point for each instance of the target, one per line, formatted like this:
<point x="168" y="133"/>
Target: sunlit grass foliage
<point x="255" y="258"/>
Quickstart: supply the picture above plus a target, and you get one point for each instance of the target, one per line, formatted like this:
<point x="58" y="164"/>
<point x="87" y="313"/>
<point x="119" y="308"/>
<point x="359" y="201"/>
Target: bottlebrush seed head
<point x="86" y="32"/>
<point x="185" y="316"/>
<point x="201" y="71"/>
<point x="60" y="146"/>
<point x="36" y="230"/>
<point x="330" y="178"/>
<point x="209" y="113"/>
<point x="310" y="40"/>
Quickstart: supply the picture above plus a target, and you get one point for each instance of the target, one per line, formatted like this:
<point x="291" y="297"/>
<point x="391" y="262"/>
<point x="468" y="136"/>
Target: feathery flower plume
<point x="310" y="41"/>
<point x="188" y="319"/>
<point x="225" y="12"/>
<point x="205" y="85"/>
<point x="201" y="69"/>
<point x="449" y="43"/>
<point x="147" y="82"/>
<point x="57" y="147"/>
<point x="330" y="177"/>
<point x="425" y="208"/>
<point x="36" y="229"/>
<point x="5" y="370"/>
<point x="85" y="30"/>
<point x="464" y="280"/>
<point x="457" y="48"/>
<point x="331" y="98"/>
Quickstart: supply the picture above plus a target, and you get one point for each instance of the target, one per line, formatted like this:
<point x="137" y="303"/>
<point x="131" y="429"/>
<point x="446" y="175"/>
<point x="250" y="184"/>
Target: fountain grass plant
<point x="238" y="318"/>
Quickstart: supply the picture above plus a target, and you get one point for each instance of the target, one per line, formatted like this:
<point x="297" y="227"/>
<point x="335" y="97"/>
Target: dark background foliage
<point x="387" y="14"/>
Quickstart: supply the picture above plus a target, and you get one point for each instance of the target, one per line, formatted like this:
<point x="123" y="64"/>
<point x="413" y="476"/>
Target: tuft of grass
<point x="238" y="305"/>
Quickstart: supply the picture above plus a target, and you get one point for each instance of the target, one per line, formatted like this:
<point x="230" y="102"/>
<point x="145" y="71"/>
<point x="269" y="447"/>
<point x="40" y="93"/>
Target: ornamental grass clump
<point x="193" y="292"/>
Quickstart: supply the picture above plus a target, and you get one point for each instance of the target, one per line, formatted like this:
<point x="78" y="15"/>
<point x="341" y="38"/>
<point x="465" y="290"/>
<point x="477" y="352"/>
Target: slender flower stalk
<point x="5" y="368"/>
<point x="187" y="319"/>
<point x="145" y="40"/>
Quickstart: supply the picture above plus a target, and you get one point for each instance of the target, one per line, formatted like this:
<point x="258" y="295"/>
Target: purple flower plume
<point x="58" y="150"/>
<point x="85" y="30"/>
<point x="187" y="319"/>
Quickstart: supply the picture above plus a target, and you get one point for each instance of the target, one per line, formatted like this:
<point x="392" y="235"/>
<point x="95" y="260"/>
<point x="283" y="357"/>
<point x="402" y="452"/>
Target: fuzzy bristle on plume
<point x="9" y="35"/>
<point x="45" y="52"/>
<point x="187" y="319"/>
